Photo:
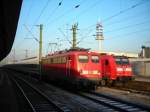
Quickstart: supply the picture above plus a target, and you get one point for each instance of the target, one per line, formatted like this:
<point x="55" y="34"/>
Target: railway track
<point x="106" y="101"/>
<point x="138" y="87"/>
<point x="37" y="101"/>
<point x="134" y="91"/>
<point x="81" y="104"/>
<point x="116" y="104"/>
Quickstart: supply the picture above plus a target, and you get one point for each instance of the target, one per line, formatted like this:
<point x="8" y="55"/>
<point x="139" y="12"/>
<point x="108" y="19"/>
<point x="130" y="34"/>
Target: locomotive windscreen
<point x="83" y="58"/>
<point x="95" y="59"/>
<point x="122" y="61"/>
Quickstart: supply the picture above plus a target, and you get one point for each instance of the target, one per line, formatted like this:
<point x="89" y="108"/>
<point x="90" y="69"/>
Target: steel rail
<point x="114" y="103"/>
<point x="23" y="93"/>
<point x="137" y="105"/>
<point x="57" y="108"/>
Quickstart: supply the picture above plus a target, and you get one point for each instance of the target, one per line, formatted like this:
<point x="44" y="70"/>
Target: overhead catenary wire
<point x="66" y="13"/>
<point x="61" y="16"/>
<point x="125" y="27"/>
<point x="89" y="8"/>
<point x="84" y="37"/>
<point x="40" y="14"/>
<point x="125" y="10"/>
<point x="42" y="11"/>
<point x="130" y="33"/>
<point x="31" y="33"/>
<point x="117" y="14"/>
<point x="121" y="12"/>
<point x="29" y="10"/>
<point x="37" y="19"/>
<point x="126" y="34"/>
<point x="128" y="26"/>
<point x="27" y="15"/>
<point x="65" y="36"/>
<point x="135" y="16"/>
<point x="54" y="10"/>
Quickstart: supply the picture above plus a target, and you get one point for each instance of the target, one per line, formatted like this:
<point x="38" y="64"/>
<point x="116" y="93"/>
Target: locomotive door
<point x="68" y="67"/>
<point x="106" y="68"/>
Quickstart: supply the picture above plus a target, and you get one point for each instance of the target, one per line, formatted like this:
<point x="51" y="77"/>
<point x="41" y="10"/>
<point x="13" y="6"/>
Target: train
<point x="84" y="68"/>
<point x="81" y="68"/>
<point x="116" y="69"/>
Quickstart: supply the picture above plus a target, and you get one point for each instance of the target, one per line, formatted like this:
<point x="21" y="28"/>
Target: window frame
<point x="95" y="60"/>
<point x="79" y="60"/>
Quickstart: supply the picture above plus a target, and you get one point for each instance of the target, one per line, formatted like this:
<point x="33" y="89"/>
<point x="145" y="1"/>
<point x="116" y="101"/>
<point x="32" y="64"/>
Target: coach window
<point x="83" y="58"/>
<point x="95" y="59"/>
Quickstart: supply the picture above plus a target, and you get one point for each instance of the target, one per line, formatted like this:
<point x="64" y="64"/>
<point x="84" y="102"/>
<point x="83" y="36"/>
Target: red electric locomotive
<point x="116" y="68"/>
<point x="80" y="68"/>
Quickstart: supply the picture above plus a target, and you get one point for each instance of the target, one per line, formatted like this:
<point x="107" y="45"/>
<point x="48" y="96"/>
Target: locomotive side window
<point x="63" y="59"/>
<point x="83" y="58"/>
<point x="49" y="60"/>
<point x="54" y="60"/>
<point x="45" y="61"/>
<point x="57" y="60"/>
<point x="95" y="59"/>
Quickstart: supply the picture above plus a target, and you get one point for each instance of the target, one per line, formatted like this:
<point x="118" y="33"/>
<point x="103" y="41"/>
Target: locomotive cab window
<point x="83" y="58"/>
<point x="125" y="61"/>
<point x="122" y="61"/>
<point x="95" y="59"/>
<point x="118" y="61"/>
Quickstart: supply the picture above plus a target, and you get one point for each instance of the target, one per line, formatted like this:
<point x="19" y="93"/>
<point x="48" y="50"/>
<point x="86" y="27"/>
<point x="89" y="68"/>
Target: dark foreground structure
<point x="9" y="14"/>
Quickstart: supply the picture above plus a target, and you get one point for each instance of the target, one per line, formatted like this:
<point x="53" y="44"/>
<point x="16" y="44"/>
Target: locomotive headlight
<point x="83" y="72"/>
<point x="119" y="69"/>
<point x="95" y="72"/>
<point x="128" y="69"/>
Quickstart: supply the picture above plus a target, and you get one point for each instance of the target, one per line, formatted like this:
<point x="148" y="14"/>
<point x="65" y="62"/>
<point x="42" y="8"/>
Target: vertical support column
<point x="74" y="29"/>
<point x="40" y="51"/>
<point x="99" y="36"/>
<point x="40" y="44"/>
<point x="14" y="60"/>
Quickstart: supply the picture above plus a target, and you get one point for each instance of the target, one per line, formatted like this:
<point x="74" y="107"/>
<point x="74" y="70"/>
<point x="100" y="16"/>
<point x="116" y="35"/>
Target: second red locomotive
<point x="116" y="68"/>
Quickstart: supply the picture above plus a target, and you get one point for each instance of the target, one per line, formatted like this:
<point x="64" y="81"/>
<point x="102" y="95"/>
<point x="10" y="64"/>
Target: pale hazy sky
<point x="126" y="24"/>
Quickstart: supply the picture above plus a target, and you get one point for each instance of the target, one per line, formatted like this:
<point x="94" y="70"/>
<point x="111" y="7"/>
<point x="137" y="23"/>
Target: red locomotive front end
<point x="80" y="68"/>
<point x="123" y="68"/>
<point x="116" y="68"/>
<point x="88" y="67"/>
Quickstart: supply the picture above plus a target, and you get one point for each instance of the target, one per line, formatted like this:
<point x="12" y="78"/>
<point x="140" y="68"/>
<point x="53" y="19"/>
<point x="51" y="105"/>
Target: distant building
<point x="145" y="53"/>
<point x="128" y="54"/>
